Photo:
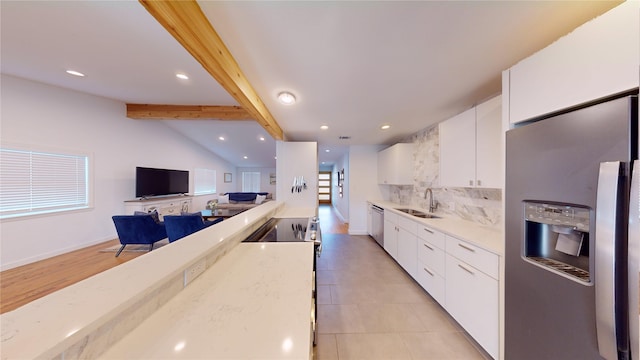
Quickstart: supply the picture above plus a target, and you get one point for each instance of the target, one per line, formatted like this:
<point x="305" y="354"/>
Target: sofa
<point x="239" y="200"/>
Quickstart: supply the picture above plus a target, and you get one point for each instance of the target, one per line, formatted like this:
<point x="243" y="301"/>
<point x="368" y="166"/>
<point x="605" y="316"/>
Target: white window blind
<point x="204" y="181"/>
<point x="33" y="182"/>
<point x="250" y="181"/>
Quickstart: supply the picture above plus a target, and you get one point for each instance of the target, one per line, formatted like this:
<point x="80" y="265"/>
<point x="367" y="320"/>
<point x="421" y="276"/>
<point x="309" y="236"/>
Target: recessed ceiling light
<point x="327" y="150"/>
<point x="221" y="138"/>
<point x="245" y="157"/>
<point x="75" y="73"/>
<point x="324" y="127"/>
<point x="287" y="98"/>
<point x="261" y="138"/>
<point x="385" y="127"/>
<point x="182" y="76"/>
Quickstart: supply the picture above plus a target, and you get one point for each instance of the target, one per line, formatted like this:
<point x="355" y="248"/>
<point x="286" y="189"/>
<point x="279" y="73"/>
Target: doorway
<point x="324" y="187"/>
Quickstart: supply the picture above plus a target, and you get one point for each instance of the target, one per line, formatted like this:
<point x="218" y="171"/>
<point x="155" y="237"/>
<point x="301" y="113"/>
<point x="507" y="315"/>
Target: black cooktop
<point x="280" y="230"/>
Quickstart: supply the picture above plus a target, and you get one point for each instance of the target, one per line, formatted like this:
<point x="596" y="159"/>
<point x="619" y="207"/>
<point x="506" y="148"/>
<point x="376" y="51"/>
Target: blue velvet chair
<point x="179" y="226"/>
<point x="138" y="229"/>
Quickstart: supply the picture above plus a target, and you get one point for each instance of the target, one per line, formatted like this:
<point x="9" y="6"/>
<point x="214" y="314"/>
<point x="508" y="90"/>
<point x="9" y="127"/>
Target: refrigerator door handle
<point x="634" y="261"/>
<point x="605" y="279"/>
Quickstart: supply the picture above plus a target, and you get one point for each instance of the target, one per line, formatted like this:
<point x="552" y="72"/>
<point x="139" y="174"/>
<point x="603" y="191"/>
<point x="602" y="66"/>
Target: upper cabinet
<point x="458" y="150"/>
<point x="395" y="164"/>
<point x="489" y="158"/>
<point x="598" y="59"/>
<point x="470" y="144"/>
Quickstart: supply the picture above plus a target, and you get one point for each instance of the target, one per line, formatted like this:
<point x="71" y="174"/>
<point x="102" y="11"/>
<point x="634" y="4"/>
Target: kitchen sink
<point x="418" y="213"/>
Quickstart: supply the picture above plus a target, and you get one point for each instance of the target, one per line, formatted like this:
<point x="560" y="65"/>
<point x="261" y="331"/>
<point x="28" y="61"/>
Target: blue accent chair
<point x="138" y="229"/>
<point x="179" y="226"/>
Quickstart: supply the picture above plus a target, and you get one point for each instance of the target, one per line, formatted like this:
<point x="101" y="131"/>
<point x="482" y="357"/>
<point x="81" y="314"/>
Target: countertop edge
<point x="455" y="227"/>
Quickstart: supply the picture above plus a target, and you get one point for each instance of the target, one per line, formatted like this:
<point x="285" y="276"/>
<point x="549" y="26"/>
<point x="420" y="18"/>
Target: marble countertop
<point x="254" y="303"/>
<point x="488" y="238"/>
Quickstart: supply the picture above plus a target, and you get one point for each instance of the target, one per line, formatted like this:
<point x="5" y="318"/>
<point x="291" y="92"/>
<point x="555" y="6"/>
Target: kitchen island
<point x="90" y="317"/>
<point x="254" y="303"/>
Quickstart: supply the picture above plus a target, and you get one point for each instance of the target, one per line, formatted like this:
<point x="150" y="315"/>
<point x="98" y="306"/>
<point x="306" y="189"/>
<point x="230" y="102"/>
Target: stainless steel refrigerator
<point x="572" y="233"/>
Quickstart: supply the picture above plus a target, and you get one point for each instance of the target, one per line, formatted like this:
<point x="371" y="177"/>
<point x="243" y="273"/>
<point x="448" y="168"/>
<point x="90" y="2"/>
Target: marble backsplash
<point x="483" y="206"/>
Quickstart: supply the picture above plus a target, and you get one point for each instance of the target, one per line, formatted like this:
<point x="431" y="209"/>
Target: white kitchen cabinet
<point x="472" y="295"/>
<point x="391" y="234"/>
<point x="407" y="245"/>
<point x="458" y="149"/>
<point x="598" y="59"/>
<point x="489" y="159"/>
<point x="430" y="272"/>
<point x="369" y="219"/>
<point x="459" y="275"/>
<point x="395" y="164"/>
<point x="164" y="206"/>
<point x="470" y="147"/>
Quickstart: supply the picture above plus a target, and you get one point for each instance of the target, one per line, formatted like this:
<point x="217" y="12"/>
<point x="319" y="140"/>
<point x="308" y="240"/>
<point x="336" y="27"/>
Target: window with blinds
<point x="33" y="182"/>
<point x="204" y="182"/>
<point x="250" y="181"/>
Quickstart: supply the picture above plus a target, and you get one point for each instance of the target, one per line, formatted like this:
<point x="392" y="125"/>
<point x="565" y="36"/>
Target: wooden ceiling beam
<point x="186" y="112"/>
<point x="188" y="24"/>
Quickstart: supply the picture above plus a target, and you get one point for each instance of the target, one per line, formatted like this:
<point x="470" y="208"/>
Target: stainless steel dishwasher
<point x="377" y="224"/>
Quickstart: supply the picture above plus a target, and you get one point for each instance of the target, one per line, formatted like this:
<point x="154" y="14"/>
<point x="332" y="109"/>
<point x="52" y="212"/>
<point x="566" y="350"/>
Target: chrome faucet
<point x="433" y="205"/>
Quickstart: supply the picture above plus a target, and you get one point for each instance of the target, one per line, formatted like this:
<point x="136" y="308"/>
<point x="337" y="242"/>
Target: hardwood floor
<point x="23" y="284"/>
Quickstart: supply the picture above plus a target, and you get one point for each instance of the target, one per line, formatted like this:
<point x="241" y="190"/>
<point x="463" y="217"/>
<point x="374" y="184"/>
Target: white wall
<point x="341" y="204"/>
<point x="45" y="116"/>
<point x="265" y="185"/>
<point x="363" y="185"/>
<point x="297" y="159"/>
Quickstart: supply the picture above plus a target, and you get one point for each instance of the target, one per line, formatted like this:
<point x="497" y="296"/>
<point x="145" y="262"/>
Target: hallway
<point x="369" y="308"/>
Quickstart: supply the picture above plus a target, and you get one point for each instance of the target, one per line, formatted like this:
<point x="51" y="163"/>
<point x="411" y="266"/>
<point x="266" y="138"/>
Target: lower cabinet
<point x="460" y="276"/>
<point x="407" y="247"/>
<point x="391" y="234"/>
<point x="431" y="262"/>
<point x="471" y="294"/>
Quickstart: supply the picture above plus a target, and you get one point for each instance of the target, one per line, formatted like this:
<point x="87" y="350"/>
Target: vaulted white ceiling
<point x="353" y="65"/>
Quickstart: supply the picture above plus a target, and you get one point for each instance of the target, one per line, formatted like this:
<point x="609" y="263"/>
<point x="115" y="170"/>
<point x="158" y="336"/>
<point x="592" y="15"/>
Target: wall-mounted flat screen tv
<point x="158" y="182"/>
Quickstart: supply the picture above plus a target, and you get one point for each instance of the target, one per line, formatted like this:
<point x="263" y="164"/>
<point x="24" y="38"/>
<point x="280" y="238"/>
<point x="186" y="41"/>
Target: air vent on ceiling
<point x="344" y="137"/>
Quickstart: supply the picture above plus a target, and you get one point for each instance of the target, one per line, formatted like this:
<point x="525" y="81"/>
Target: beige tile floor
<point x="370" y="308"/>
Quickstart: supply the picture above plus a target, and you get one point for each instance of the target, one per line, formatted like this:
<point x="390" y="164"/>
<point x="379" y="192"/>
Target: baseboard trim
<point x="51" y="254"/>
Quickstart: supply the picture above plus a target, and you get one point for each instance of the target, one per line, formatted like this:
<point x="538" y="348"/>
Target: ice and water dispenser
<point x="557" y="239"/>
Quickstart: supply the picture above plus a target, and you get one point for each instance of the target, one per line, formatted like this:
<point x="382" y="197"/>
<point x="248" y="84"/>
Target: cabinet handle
<point x="466" y="247"/>
<point x="427" y="230"/>
<point x="479" y="182"/>
<point x="466" y="269"/>
<point x="427" y="270"/>
<point x="428" y="247"/>
<point x="470" y="182"/>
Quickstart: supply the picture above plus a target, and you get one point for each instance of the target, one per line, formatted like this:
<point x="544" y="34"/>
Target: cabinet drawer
<point x="407" y="224"/>
<point x="433" y="236"/>
<point x="431" y="256"/>
<point x="433" y="283"/>
<point x="479" y="258"/>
